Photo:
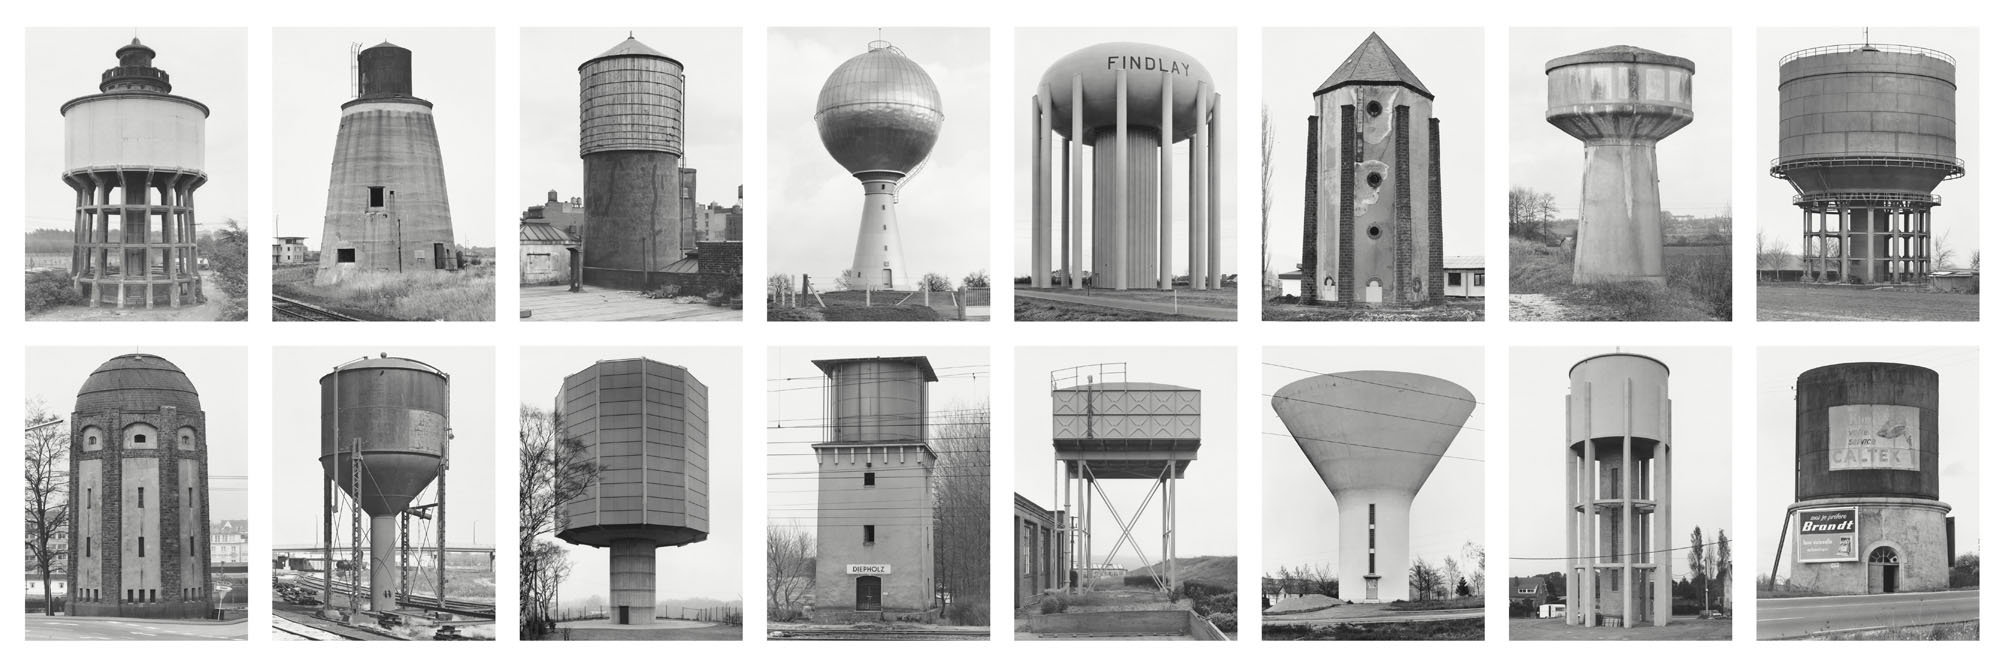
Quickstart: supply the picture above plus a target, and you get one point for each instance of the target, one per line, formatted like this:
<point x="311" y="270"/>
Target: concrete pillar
<point x="632" y="580"/>
<point x="1663" y="513"/>
<point x="1569" y="500"/>
<point x="1038" y="112"/>
<point x="1846" y="229"/>
<point x="1199" y="193"/>
<point x="1213" y="196"/>
<point x="1076" y="178"/>
<point x="1620" y="239"/>
<point x="1166" y="183"/>
<point x="1626" y="556"/>
<point x="1121" y="222"/>
<point x="1589" y="587"/>
<point x="383" y="578"/>
<point x="1068" y="269"/>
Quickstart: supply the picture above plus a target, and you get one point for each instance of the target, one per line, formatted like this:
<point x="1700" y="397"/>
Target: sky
<point x="1035" y="49"/>
<point x="221" y="376"/>
<point x="295" y="413"/>
<point x="311" y="74"/>
<point x="1298" y="60"/>
<point x="713" y="121"/>
<point x="204" y="64"/>
<point x="796" y="411"/>
<point x="1206" y="495"/>
<point x="1779" y="220"/>
<point x="1778" y="369"/>
<point x="1698" y="385"/>
<point x="1694" y="163"/>
<point x="943" y="211"/>
<point x="1301" y="519"/>
<point x="712" y="568"/>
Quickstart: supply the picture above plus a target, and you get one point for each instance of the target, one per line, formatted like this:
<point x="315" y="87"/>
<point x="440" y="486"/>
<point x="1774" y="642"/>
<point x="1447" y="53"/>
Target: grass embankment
<point x="1438" y="604"/>
<point x="1455" y="310"/>
<point x="1039" y="310"/>
<point x="1469" y="629"/>
<point x="462" y="295"/>
<point x="1698" y="286"/>
<point x="1949" y="631"/>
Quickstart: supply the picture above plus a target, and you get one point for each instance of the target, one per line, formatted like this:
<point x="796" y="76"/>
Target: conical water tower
<point x="1374" y="437"/>
<point x="385" y="425"/>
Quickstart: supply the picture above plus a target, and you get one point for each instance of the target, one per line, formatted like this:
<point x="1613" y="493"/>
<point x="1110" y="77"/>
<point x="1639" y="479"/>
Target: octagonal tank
<point x="645" y="424"/>
<point x="879" y="112"/>
<point x="1874" y="118"/>
<point x="397" y="413"/>
<point x="1867" y="430"/>
<point x="1146" y="67"/>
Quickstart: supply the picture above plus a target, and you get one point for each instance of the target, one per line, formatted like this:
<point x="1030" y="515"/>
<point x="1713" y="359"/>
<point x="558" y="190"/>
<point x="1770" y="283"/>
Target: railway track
<point x="423" y="602"/>
<point x="305" y="632"/>
<point x="286" y="309"/>
<point x="875" y="635"/>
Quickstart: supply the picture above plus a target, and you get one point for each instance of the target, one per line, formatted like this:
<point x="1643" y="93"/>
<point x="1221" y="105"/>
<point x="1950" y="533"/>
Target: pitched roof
<point x="1374" y="62"/>
<point x="1464" y="261"/>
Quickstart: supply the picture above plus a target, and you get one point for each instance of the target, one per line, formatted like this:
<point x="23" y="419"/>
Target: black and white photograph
<point x="1622" y="534"/>
<point x="631" y="488"/>
<point x="1871" y="138"/>
<point x="124" y="127"/>
<point x="376" y="122"/>
<point x="898" y="121"/>
<point x="1374" y="473"/>
<point x="1869" y="459"/>
<point x="1397" y="233"/>
<point x="631" y="174"/>
<point x="1123" y="165"/>
<point x="126" y="539"/>
<point x="1109" y="442"/>
<point x="367" y="544"/>
<point x="878" y="469"/>
<point x="1620" y="159"/>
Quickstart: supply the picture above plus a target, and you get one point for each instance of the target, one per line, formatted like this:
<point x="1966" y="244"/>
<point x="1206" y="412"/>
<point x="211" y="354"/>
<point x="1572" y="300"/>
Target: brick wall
<point x="1350" y="151"/>
<point x="1401" y="290"/>
<point x="1436" y="254"/>
<point x="1309" y="255"/>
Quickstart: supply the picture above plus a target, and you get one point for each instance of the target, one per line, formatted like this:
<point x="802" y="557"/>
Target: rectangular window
<point x="87" y="547"/>
<point x="868" y="479"/>
<point x="1454" y="279"/>
<point x="142" y="489"/>
<point x="1478" y="279"/>
<point x="152" y="594"/>
<point x="190" y="547"/>
<point x="142" y="546"/>
<point x="375" y="196"/>
<point x="344" y="255"/>
<point x="867" y="535"/>
<point x="89" y="498"/>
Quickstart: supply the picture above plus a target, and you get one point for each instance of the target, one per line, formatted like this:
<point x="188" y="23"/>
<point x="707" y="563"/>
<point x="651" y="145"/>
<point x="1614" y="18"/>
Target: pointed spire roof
<point x="632" y="48"/>
<point x="1374" y="63"/>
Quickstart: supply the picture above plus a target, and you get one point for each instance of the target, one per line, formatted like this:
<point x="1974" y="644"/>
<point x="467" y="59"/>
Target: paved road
<point x="44" y="628"/>
<point x="1786" y="618"/>
<point x="1325" y="617"/>
<point x="1204" y="312"/>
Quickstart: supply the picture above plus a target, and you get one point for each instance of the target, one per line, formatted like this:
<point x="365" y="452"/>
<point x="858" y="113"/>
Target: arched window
<point x="1883" y="555"/>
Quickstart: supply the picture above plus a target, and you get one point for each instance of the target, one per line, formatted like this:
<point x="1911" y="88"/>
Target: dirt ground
<point x="1454" y="310"/>
<point x="1681" y="628"/>
<point x="1798" y="302"/>
<point x="209" y="311"/>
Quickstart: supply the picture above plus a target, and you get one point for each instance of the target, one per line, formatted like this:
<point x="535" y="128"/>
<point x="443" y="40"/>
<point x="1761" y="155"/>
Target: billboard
<point x="1872" y="437"/>
<point x="1829" y="535"/>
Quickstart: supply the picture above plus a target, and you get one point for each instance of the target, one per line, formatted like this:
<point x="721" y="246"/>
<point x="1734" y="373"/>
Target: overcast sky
<point x="1298" y="60"/>
<point x="205" y="64"/>
<point x="797" y="414"/>
<point x="1695" y="163"/>
<point x="221" y="377"/>
<point x="1778" y="370"/>
<point x="1958" y="216"/>
<point x="1698" y="384"/>
<point x="1205" y="498"/>
<point x="944" y="209"/>
<point x="452" y="69"/>
<point x="1301" y="520"/>
<point x="712" y="568"/>
<point x="713" y="121"/>
<point x="1036" y="49"/>
<point x="295" y="416"/>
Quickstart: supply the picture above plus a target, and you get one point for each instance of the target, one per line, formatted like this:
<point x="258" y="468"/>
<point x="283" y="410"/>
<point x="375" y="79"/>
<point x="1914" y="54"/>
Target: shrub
<point x="665" y="291"/>
<point x="1053" y="604"/>
<point x="794" y="314"/>
<point x="47" y="290"/>
<point x="968" y="612"/>
<point x="1224" y="622"/>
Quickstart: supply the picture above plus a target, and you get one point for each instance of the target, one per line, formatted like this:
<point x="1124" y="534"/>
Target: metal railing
<point x="1911" y="160"/>
<point x="1883" y="197"/>
<point x="1854" y="48"/>
<point x="1097" y="373"/>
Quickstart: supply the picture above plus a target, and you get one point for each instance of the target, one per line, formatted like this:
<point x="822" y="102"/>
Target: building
<point x="1620" y="101"/>
<point x="641" y="200"/>
<point x="289" y="250"/>
<point x="1373" y="486"/>
<point x="386" y="206"/>
<point x="138" y="469"/>
<point x="1041" y="551"/>
<point x="1374" y="229"/>
<point x="1867" y="519"/>
<point x="1531" y="591"/>
<point x="645" y="425"/>
<point x="229" y="543"/>
<point x="876" y="548"/>
<point x="1465" y="276"/>
<point x="133" y="154"/>
<point x="1956" y="280"/>
<point x="1129" y="104"/>
<point x="550" y="241"/>
<point x="879" y="114"/>
<point x="1865" y="133"/>
<point x="1618" y="505"/>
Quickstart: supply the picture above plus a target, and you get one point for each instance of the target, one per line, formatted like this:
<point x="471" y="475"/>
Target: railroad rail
<point x="286" y="309"/>
<point x="415" y="600"/>
<point x="831" y="634"/>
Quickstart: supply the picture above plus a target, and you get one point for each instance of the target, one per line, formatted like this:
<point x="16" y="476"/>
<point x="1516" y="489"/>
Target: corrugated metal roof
<point x="1464" y="261"/>
<point x="543" y="232"/>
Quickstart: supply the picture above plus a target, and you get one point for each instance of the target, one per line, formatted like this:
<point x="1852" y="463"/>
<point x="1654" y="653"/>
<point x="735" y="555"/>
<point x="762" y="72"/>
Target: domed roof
<point x="1621" y="53"/>
<point x="879" y="111"/>
<point x="137" y="383"/>
<point x="1147" y="68"/>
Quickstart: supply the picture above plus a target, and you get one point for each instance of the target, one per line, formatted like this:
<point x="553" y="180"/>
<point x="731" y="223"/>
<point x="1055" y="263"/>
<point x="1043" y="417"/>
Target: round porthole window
<point x="1374" y="232"/>
<point x="1374" y="109"/>
<point x="1375" y="179"/>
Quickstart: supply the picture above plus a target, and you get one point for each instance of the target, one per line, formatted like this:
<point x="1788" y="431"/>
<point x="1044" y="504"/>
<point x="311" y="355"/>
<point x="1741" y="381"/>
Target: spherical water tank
<point x="1146" y="67"/>
<point x="397" y="413"/>
<point x="632" y="98"/>
<point x="878" y="399"/>
<point x="879" y="111"/>
<point x="1867" y="102"/>
<point x="1867" y="430"/>
<point x="645" y="424"/>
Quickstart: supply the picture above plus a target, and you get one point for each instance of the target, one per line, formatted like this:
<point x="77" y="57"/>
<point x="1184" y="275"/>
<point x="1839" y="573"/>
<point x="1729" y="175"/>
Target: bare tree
<point x="1975" y="260"/>
<point x="1529" y="213"/>
<point x="1449" y="572"/>
<point x="789" y="552"/>
<point x="1270" y="141"/>
<point x="961" y="486"/>
<point x="45" y="482"/>
<point x="1474" y="556"/>
<point x="777" y="284"/>
<point x="1697" y="565"/>
<point x="555" y="470"/>
<point x="1771" y="253"/>
<point x="1722" y="567"/>
<point x="1942" y="255"/>
<point x="1424" y="578"/>
<point x="934" y="282"/>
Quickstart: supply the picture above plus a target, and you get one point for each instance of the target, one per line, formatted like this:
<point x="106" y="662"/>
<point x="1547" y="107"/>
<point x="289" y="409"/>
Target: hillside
<point x="1219" y="571"/>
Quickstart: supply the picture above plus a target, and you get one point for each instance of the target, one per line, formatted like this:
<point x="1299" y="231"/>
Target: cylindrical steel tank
<point x="386" y="204"/>
<point x="1867" y="430"/>
<point x="386" y="70"/>
<point x="632" y="100"/>
<point x="1843" y="108"/>
<point x="1618" y="507"/>
<point x="877" y="399"/>
<point x="1620" y="101"/>
<point x="396" y="414"/>
<point x="1374" y="437"/>
<point x="879" y="114"/>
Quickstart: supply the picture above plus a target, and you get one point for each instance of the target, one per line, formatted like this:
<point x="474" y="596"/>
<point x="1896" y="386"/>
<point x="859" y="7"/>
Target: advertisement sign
<point x="1872" y="437"/>
<point x="1829" y="535"/>
<point x="867" y="569"/>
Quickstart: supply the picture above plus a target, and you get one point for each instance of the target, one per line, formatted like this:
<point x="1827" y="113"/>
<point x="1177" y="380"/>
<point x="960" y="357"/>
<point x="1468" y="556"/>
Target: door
<point x="1373" y="293"/>
<point x="437" y="256"/>
<point x="1374" y="585"/>
<point x="888" y="278"/>
<point x="1882" y="569"/>
<point x="624" y="614"/>
<point x="868" y="593"/>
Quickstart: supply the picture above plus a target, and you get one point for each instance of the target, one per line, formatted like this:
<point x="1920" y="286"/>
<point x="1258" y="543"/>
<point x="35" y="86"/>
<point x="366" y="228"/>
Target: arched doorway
<point x="868" y="593"/>
<point x="1882" y="570"/>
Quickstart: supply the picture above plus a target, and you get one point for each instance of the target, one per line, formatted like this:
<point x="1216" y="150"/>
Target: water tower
<point x="876" y="546"/>
<point x="632" y="100"/>
<point x="879" y="115"/>
<point x="1865" y="132"/>
<point x="138" y="469"/>
<point x="1374" y="437"/>
<point x="1109" y="429"/>
<point x="1130" y="103"/>
<point x="386" y="208"/>
<point x="1618" y="485"/>
<point x="385" y="434"/>
<point x="1867" y="514"/>
<point x="133" y="154"/>
<point x="644" y="424"/>
<point x="1620" y="101"/>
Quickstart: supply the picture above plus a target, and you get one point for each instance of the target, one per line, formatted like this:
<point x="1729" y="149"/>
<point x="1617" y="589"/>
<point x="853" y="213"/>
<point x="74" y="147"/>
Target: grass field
<point x="1469" y="629"/>
<point x="1451" y="310"/>
<point x="463" y="295"/>
<point x="1038" y="310"/>
<point x="1698" y="285"/>
<point x="1950" y="631"/>
<point x="1803" y="302"/>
